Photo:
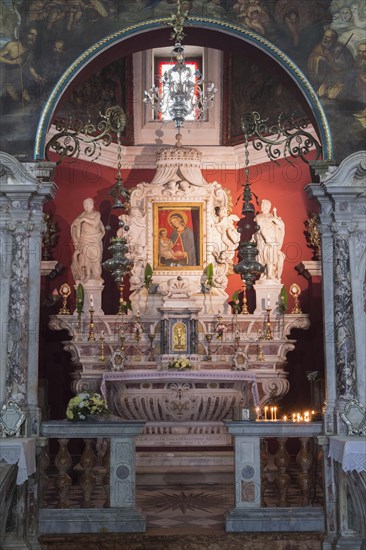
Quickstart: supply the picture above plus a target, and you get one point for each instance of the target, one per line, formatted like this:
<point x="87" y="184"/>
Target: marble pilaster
<point x="24" y="188"/>
<point x="343" y="315"/>
<point x="342" y="198"/>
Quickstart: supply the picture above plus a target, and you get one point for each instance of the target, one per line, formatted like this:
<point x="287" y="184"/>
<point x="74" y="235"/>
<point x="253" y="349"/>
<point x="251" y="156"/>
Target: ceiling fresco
<point x="40" y="39"/>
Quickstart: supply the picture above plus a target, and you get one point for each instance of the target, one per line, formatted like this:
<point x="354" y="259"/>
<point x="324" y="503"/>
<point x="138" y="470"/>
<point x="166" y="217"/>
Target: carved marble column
<point x="343" y="315"/>
<point x="23" y="190"/>
<point x="342" y="198"/>
<point x="17" y="331"/>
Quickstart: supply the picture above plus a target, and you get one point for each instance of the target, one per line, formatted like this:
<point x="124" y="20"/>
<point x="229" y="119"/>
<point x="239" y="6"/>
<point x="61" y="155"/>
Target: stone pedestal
<point x="267" y="292"/>
<point x="93" y="289"/>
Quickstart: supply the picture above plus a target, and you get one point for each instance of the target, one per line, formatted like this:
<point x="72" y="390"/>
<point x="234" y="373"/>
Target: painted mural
<point x="39" y="39"/>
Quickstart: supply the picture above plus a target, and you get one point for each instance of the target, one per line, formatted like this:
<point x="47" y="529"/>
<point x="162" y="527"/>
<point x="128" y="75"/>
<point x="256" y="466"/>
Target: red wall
<point x="283" y="185"/>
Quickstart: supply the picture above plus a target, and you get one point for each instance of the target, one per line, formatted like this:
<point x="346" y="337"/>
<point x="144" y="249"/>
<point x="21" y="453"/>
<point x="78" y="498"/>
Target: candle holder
<point x="208" y="337"/>
<point x="65" y="292"/>
<point x="101" y="355"/>
<point x="269" y="335"/>
<point x="244" y="309"/>
<point x="295" y="292"/>
<point x="121" y="302"/>
<point x="91" y="337"/>
<point x="260" y="356"/>
<point x="151" y="349"/>
<point x="121" y="340"/>
<point x="237" y="341"/>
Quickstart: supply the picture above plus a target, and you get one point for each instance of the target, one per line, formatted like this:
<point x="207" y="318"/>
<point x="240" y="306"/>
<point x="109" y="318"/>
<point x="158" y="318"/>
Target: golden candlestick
<point x="151" y="349"/>
<point x="91" y="337"/>
<point x="260" y="356"/>
<point x="295" y="292"/>
<point x="121" y="301"/>
<point x="101" y="355"/>
<point x="65" y="292"/>
<point x="121" y="340"/>
<point x="269" y="335"/>
<point x="208" y="337"/>
<point x="244" y="309"/>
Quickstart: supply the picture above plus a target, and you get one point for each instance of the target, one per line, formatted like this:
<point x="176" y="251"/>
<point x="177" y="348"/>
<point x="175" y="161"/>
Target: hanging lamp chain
<point x="177" y="21"/>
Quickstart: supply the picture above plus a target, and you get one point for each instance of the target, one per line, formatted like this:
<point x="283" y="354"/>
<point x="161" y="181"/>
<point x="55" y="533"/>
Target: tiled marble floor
<point x="185" y="506"/>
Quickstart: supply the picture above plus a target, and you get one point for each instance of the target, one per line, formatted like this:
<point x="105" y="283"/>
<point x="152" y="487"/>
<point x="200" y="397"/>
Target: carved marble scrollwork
<point x="274" y="390"/>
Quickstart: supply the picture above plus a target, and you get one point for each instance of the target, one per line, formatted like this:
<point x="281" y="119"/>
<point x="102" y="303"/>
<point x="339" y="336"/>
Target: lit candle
<point x="268" y="301"/>
<point x="265" y="413"/>
<point x="284" y="418"/>
<point x="272" y="414"/>
<point x="257" y="411"/>
<point x="294" y="417"/>
<point x="91" y="301"/>
<point x="102" y="334"/>
<point x="151" y="329"/>
<point x="275" y="413"/>
<point x="138" y="313"/>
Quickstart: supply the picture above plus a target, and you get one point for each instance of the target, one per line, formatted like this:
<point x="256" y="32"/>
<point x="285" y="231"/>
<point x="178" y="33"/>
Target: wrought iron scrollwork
<point x="74" y="136"/>
<point x="287" y="136"/>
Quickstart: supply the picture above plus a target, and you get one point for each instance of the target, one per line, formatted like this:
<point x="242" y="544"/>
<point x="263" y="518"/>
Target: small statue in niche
<point x="87" y="232"/>
<point x="269" y="239"/>
<point x="179" y="337"/>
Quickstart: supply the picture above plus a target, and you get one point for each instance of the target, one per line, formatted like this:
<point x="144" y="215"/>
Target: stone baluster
<point x="304" y="460"/>
<point x="63" y="462"/>
<point x="282" y="479"/>
<point x="87" y="478"/>
<point x="44" y="480"/>
<point x="343" y="315"/>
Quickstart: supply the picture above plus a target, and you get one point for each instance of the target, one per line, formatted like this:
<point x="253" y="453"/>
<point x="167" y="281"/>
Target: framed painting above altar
<point x="178" y="236"/>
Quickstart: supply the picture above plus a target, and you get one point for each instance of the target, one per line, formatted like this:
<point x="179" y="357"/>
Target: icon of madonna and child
<point x="178" y="237"/>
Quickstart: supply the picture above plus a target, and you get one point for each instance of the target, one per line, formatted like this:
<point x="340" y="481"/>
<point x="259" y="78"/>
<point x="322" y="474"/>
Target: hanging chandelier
<point x="181" y="92"/>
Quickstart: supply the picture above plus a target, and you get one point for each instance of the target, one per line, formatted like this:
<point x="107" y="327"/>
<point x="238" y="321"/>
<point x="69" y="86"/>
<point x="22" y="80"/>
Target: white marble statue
<point x="225" y="226"/>
<point x="269" y="239"/>
<point x="87" y="232"/>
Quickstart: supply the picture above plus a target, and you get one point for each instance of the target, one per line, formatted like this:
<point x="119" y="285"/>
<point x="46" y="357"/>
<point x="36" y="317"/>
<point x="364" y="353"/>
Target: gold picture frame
<point x="178" y="236"/>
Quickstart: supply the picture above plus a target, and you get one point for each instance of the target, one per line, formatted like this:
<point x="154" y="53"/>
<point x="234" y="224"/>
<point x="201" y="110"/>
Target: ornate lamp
<point x="248" y="268"/>
<point x="120" y="264"/>
<point x="180" y="91"/>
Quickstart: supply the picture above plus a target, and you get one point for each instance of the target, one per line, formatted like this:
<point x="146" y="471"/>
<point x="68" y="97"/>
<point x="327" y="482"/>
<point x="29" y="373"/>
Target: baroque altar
<point x="183" y="227"/>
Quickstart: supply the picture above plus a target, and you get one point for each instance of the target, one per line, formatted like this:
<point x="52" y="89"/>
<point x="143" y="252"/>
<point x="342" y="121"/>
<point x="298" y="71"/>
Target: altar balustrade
<point x="90" y="476"/>
<point x="103" y="498"/>
<point x="268" y="460"/>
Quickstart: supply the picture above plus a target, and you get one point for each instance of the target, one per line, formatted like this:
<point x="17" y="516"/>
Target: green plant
<point x="209" y="275"/>
<point x="282" y="307"/>
<point x="148" y="275"/>
<point x="79" y="298"/>
<point x="235" y="302"/>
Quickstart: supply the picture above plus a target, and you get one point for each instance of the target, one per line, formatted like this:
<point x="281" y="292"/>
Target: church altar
<point x="180" y="224"/>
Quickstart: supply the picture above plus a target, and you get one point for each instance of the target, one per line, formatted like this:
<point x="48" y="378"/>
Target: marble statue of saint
<point x="87" y="232"/>
<point x="269" y="239"/>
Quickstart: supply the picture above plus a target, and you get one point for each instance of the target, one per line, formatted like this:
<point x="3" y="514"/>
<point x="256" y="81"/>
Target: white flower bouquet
<point x="183" y="363"/>
<point x="85" y="404"/>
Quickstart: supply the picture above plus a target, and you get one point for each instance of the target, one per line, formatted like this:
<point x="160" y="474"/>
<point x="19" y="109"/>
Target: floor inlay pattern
<point x="178" y="506"/>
